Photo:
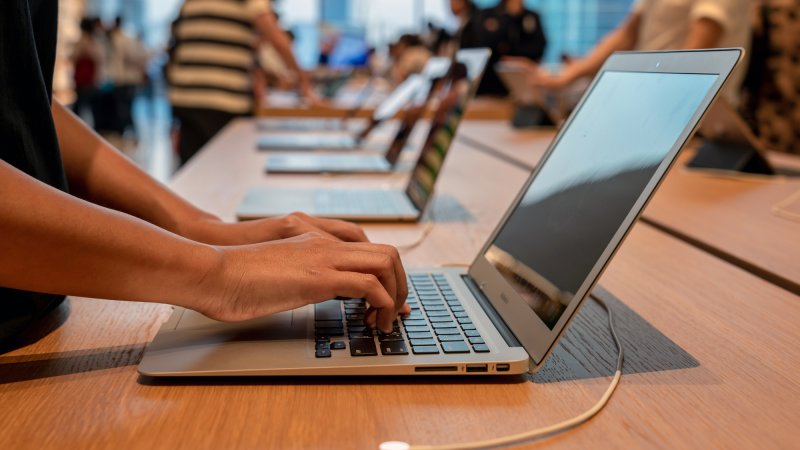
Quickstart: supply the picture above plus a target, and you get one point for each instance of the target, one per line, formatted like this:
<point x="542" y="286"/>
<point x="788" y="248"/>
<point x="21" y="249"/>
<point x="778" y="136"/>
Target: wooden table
<point x="289" y="104"/>
<point x="712" y="359"/>
<point x="730" y="216"/>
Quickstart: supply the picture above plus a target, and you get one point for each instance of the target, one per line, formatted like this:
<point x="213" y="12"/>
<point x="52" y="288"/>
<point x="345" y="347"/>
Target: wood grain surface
<point x="712" y="354"/>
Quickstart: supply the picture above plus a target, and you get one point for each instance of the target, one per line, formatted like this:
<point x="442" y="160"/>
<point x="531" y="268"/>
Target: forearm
<point x="622" y="38"/>
<point x="55" y="243"/>
<point x="703" y="33"/>
<point x="273" y="34"/>
<point x="100" y="174"/>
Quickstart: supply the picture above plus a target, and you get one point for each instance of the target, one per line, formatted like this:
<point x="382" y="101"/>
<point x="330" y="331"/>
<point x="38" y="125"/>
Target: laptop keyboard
<point x="437" y="324"/>
<point x="354" y="202"/>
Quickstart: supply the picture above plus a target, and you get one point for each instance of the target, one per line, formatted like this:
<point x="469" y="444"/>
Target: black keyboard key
<point x="356" y="328"/>
<point x="480" y="348"/>
<point x="415" y="329"/>
<point x="464" y="320"/>
<point x="363" y="347"/>
<point x="323" y="352"/>
<point x="364" y="334"/>
<point x="415" y="315"/>
<point x="355" y="317"/>
<point x="476" y="340"/>
<point x="354" y="301"/>
<point x="455" y="347"/>
<point x="443" y="331"/>
<point x="467" y="326"/>
<point x="455" y="308"/>
<point x="415" y="342"/>
<point x="393" y="336"/>
<point x="418" y="335"/>
<point x="327" y="324"/>
<point x="472" y="333"/>
<point x="461" y="314"/>
<point x="438" y="313"/>
<point x="394" y="348"/>
<point x="322" y="344"/>
<point x="425" y="349"/>
<point x="414" y="322"/>
<point x="338" y="345"/>
<point x="334" y="332"/>
<point x="439" y="325"/>
<point x="450" y="338"/>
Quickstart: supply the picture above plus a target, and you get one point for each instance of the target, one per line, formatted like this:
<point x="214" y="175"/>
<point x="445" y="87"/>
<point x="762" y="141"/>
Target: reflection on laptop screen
<point x="590" y="182"/>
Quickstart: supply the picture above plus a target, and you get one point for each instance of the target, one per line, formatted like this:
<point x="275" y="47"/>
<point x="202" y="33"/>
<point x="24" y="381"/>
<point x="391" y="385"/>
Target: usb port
<point x="502" y="367"/>
<point x="477" y="367"/>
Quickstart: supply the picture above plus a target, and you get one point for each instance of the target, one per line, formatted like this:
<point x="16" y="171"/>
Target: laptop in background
<point x="505" y="314"/>
<point x="435" y="67"/>
<point x="291" y="162"/>
<point x="383" y="205"/>
<point x="533" y="107"/>
<point x="729" y="144"/>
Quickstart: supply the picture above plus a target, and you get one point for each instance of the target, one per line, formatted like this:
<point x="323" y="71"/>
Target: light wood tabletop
<point x="711" y="354"/>
<point x="736" y="217"/>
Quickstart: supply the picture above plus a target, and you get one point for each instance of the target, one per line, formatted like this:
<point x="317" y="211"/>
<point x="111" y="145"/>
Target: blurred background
<point x="114" y="59"/>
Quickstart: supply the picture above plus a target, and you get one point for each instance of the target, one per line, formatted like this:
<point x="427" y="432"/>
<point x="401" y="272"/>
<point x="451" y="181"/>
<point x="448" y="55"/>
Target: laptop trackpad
<point x="280" y="326"/>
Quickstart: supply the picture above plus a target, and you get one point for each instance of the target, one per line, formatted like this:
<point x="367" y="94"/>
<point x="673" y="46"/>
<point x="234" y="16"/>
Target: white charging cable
<point x="540" y="433"/>
<point x="430" y="222"/>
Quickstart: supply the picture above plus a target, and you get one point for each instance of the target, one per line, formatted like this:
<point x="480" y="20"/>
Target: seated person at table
<point x="78" y="218"/>
<point x="665" y="25"/>
<point x="409" y="56"/>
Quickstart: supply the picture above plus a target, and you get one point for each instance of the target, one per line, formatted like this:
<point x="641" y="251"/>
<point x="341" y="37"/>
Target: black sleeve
<point x="531" y="42"/>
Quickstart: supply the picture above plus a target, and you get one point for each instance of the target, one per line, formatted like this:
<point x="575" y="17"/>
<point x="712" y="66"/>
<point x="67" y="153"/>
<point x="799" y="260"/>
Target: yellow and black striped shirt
<point x="215" y="50"/>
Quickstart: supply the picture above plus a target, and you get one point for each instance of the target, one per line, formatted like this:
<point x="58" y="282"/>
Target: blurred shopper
<point x="772" y="87"/>
<point x="410" y="55"/>
<point x="211" y="74"/>
<point x="127" y="67"/>
<point x="511" y="31"/>
<point x="86" y="61"/>
<point x="665" y="25"/>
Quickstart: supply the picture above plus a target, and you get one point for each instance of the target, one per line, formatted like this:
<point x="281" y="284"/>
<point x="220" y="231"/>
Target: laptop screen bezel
<point x="537" y="339"/>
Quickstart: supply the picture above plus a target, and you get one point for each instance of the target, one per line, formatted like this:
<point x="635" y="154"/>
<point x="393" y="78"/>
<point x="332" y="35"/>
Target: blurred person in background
<point x="409" y="55"/>
<point x="127" y="71"/>
<point x="664" y="25"/>
<point x="211" y="73"/>
<point x="512" y="32"/>
<point x="771" y="101"/>
<point x="86" y="59"/>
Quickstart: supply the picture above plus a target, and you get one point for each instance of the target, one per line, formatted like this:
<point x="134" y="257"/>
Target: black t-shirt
<point x="28" y="140"/>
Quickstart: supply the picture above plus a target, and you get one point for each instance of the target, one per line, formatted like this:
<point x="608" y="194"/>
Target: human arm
<point x="55" y="243"/>
<point x="272" y="32"/>
<point x="100" y="174"/>
<point x="622" y="38"/>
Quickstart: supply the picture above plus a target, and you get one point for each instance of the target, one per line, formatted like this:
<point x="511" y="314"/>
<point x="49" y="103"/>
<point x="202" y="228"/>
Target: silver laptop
<point x="384" y="205"/>
<point x="308" y="162"/>
<point x="405" y="92"/>
<point x="505" y="313"/>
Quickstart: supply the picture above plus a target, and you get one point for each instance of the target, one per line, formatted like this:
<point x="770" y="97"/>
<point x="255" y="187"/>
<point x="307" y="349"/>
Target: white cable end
<point x="394" y="445"/>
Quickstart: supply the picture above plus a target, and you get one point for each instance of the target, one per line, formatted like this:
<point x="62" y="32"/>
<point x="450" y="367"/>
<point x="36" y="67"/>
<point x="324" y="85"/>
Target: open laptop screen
<point x="589" y="184"/>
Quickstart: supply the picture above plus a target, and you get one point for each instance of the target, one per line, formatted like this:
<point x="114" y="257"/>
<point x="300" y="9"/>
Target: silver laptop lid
<point x="436" y="67"/>
<point x="599" y="172"/>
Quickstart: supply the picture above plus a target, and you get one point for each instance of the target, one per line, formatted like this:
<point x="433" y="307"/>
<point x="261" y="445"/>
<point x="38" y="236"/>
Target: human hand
<point x="257" y="280"/>
<point x="212" y="230"/>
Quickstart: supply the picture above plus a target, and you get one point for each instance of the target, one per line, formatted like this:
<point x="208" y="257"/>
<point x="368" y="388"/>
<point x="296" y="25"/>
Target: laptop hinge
<point x="492" y="313"/>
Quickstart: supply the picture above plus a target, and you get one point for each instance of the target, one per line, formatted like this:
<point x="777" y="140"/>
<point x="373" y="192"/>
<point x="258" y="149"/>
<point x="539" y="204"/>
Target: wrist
<point x="200" y="270"/>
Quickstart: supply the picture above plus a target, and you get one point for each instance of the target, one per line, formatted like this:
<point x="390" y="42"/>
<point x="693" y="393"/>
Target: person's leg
<point x="197" y="127"/>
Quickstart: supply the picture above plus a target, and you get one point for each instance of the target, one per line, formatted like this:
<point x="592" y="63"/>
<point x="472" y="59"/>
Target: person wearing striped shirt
<point x="211" y="67"/>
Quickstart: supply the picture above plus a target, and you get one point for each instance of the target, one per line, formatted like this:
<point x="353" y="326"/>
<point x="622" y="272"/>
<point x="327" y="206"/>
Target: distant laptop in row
<point x="435" y="67"/>
<point x="505" y="314"/>
<point x="533" y="107"/>
<point x="383" y="205"/>
<point x="729" y="143"/>
<point x="311" y="162"/>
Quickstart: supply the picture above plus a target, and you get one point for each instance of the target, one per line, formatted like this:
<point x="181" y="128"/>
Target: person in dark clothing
<point x="79" y="218"/>
<point x="509" y="30"/>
